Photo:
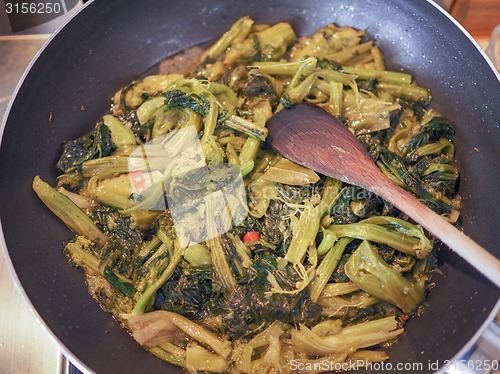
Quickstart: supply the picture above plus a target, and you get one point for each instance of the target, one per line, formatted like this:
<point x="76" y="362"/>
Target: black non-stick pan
<point x="111" y="42"/>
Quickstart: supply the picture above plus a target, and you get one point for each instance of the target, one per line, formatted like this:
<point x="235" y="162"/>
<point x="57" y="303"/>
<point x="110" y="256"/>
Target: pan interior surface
<point x="110" y="43"/>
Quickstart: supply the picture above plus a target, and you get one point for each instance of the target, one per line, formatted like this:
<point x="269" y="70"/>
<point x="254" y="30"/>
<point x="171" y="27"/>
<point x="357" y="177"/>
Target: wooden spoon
<point x="312" y="137"/>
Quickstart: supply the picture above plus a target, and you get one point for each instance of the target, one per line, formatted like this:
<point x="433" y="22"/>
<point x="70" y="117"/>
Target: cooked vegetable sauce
<point x="220" y="255"/>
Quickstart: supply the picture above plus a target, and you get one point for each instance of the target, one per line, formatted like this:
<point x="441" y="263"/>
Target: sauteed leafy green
<point x="220" y="255"/>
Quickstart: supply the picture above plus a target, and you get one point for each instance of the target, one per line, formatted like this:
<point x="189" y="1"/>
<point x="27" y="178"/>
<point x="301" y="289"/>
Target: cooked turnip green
<point x="220" y="255"/>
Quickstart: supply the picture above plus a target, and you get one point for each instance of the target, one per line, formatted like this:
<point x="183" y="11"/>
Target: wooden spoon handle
<point x="460" y="243"/>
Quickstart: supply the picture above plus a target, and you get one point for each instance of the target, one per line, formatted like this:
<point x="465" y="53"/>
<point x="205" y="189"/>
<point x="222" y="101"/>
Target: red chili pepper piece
<point x="137" y="180"/>
<point x="251" y="236"/>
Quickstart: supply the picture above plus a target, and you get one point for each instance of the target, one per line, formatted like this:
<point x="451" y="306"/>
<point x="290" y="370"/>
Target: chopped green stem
<point x="337" y="76"/>
<point x="91" y="264"/>
<point x="221" y="265"/>
<point x="307" y="68"/>
<point x="247" y="167"/>
<point x="232" y="155"/>
<point x="105" y="167"/>
<point x="329" y="239"/>
<point x="261" y="192"/>
<point x="68" y="212"/>
<point x="336" y="98"/>
<point x="145" y="299"/>
<point x="148" y="108"/>
<point x="168" y="357"/>
<point x="120" y="135"/>
<point x="393" y="77"/>
<point x="372" y="274"/>
<point x="274" y="40"/>
<point x="410" y="91"/>
<point x="144" y="217"/>
<point x="330" y="194"/>
<point x="249" y="150"/>
<point x="361" y="335"/>
<point x="252" y="144"/>
<point x="197" y="255"/>
<point x="299" y="92"/>
<point x="246" y="127"/>
<point x="338" y="306"/>
<point x="83" y="258"/>
<point x="282" y="68"/>
<point x="348" y="53"/>
<point x="338" y="289"/>
<point x="327" y="267"/>
<point x="379" y="234"/>
<point x="238" y="31"/>
<point x="449" y="172"/>
<point x="149" y="247"/>
<point x="305" y="234"/>
<point x="434" y="148"/>
<point x="211" y="119"/>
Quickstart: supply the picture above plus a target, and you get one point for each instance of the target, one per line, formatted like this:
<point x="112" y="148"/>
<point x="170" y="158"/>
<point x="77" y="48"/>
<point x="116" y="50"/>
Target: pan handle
<point x="483" y="357"/>
<point x="491" y="339"/>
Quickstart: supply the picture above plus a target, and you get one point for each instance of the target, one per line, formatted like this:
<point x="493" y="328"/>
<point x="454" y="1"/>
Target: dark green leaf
<point x="95" y="144"/>
<point x="252" y="306"/>
<point x="187" y="292"/>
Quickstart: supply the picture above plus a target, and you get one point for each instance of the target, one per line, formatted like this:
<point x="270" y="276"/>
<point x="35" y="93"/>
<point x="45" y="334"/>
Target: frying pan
<point x="110" y="43"/>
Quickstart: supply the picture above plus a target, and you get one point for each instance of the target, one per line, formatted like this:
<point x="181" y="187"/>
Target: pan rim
<point x="4" y="254"/>
<point x="3" y="123"/>
<point x="12" y="271"/>
<point x="4" y="251"/>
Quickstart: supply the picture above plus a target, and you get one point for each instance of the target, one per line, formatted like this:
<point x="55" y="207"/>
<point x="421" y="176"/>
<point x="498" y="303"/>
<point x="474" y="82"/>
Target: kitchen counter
<point x="478" y="17"/>
<point x="21" y="334"/>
